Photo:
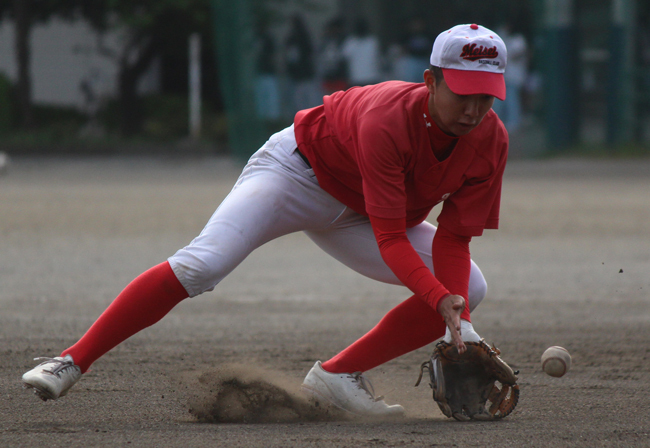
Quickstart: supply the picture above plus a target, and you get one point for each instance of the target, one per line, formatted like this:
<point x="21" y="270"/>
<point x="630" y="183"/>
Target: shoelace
<point x="59" y="366"/>
<point x="365" y="384"/>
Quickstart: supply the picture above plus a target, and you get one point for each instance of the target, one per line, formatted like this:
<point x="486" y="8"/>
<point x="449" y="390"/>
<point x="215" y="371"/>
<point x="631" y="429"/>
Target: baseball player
<point x="359" y="175"/>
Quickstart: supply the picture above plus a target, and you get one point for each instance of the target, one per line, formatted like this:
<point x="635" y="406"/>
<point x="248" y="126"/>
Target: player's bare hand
<point x="450" y="309"/>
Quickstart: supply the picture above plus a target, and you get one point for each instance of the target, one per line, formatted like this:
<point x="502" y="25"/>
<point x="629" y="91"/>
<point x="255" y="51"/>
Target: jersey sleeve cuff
<point x="436" y="295"/>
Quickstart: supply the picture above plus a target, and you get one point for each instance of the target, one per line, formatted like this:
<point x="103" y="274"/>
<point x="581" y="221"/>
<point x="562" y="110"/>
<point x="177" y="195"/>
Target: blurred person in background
<point x="267" y="89"/>
<point x="414" y="52"/>
<point x="511" y="111"/>
<point x="299" y="64"/>
<point x="332" y="63"/>
<point x="363" y="54"/>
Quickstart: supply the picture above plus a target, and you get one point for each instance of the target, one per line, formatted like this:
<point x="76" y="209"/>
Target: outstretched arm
<point x="403" y="260"/>
<point x="452" y="265"/>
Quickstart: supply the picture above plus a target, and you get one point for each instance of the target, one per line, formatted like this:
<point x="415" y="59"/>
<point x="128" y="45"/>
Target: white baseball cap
<point x="473" y="59"/>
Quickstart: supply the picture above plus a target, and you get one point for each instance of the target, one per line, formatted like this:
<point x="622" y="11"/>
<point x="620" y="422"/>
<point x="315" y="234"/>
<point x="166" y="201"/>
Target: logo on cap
<point x="473" y="59"/>
<point x="472" y="52"/>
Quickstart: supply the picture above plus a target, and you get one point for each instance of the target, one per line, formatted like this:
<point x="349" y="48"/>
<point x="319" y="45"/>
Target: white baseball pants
<point x="277" y="194"/>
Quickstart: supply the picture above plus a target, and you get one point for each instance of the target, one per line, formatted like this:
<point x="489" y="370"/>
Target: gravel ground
<point x="570" y="266"/>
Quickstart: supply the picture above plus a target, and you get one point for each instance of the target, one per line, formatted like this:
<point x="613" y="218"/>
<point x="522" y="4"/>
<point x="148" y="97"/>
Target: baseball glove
<point x="475" y="385"/>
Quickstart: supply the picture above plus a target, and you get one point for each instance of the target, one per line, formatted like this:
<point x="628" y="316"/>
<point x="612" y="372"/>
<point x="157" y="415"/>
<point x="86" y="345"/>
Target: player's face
<point x="457" y="114"/>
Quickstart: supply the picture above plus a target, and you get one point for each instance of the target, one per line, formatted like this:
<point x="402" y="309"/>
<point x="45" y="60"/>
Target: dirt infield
<point x="570" y="266"/>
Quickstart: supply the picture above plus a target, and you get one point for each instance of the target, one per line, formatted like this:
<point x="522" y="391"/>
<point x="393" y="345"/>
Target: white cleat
<point x="351" y="392"/>
<point x="52" y="378"/>
<point x="467" y="333"/>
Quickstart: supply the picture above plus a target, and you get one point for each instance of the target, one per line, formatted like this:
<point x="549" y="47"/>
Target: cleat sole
<point x="43" y="395"/>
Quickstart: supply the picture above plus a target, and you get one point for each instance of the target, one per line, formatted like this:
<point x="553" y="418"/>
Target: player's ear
<point x="430" y="81"/>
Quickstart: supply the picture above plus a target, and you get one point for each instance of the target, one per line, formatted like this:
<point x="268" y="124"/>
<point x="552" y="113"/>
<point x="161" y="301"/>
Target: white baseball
<point x="556" y="361"/>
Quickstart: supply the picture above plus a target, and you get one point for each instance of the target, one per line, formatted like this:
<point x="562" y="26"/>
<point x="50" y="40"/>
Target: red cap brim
<point x="472" y="82"/>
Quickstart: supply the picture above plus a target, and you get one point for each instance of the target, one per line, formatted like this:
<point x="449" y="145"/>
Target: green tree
<point x="148" y="28"/>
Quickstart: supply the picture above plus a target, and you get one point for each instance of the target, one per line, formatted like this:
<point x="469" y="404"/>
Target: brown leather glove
<point x="475" y="385"/>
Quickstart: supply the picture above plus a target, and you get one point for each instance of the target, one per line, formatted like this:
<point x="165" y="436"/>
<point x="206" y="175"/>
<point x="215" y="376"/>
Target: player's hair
<point x="437" y="73"/>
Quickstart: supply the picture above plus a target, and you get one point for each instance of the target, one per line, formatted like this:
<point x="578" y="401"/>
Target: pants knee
<point x="196" y="277"/>
<point x="477" y="292"/>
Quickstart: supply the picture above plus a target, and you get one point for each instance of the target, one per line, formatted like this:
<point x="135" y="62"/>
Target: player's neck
<point x="442" y="143"/>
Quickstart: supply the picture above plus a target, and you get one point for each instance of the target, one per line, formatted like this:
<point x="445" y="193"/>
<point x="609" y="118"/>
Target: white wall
<point x="63" y="55"/>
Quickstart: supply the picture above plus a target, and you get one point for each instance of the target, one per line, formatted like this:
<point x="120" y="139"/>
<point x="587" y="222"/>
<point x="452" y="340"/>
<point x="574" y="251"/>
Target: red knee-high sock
<point x="141" y="304"/>
<point x="410" y="325"/>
